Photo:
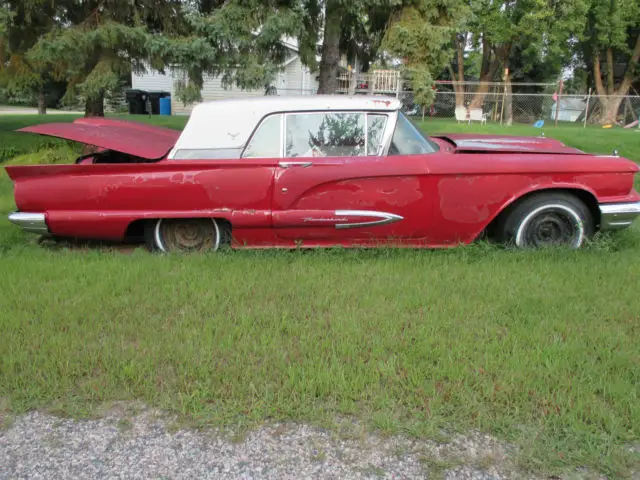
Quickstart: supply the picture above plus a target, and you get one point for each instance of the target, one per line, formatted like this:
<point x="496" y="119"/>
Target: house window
<point x="266" y="140"/>
<point x="325" y="135"/>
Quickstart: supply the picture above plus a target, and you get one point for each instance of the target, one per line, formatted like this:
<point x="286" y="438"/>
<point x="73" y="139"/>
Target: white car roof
<point x="227" y="124"/>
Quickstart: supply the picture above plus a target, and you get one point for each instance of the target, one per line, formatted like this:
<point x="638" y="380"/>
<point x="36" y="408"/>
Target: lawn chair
<point x="476" y="115"/>
<point x="462" y="115"/>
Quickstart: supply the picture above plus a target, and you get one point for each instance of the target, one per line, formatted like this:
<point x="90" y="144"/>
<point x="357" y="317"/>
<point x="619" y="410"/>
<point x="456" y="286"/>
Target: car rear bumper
<point x="615" y="216"/>
<point x="30" y="222"/>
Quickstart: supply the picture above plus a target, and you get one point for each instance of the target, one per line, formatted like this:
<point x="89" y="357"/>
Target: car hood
<point x="470" y="143"/>
<point x="132" y="138"/>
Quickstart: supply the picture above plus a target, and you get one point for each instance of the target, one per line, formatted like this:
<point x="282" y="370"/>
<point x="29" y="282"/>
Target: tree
<point x="238" y="40"/>
<point x="351" y="27"/>
<point x="518" y="35"/>
<point x="612" y="41"/>
<point x="421" y="35"/>
<point x="94" y="43"/>
<point x="363" y="31"/>
<point x="22" y="23"/>
<point x="241" y="40"/>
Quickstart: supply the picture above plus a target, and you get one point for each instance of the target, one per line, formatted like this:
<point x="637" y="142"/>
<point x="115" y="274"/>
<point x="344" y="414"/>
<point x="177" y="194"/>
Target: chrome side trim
<point x="616" y="216"/>
<point x="383" y="217"/>
<point x="30" y="222"/>
<point x="294" y="164"/>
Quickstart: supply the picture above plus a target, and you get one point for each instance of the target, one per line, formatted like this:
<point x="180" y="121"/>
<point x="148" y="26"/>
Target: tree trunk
<point x="94" y="106"/>
<point x="480" y="93"/>
<point x="330" y="60"/>
<point x="42" y="104"/>
<point x="610" y="74"/>
<point x="610" y="107"/>
<point x="487" y="70"/>
<point x="459" y="90"/>
<point x="458" y="76"/>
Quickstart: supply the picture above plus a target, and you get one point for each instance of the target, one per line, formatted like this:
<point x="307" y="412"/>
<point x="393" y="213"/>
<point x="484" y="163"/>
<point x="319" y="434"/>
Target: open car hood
<point x="132" y="138"/>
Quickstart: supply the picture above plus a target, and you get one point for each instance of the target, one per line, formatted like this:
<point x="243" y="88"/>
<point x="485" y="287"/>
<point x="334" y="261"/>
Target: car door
<point x="231" y="183"/>
<point x="336" y="185"/>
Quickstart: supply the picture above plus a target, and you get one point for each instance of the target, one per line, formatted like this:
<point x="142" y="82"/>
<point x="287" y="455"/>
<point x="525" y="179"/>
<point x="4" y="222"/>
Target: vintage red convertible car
<point x="318" y="171"/>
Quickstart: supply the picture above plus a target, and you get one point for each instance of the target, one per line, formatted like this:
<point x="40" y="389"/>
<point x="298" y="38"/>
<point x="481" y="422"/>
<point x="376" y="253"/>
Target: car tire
<point x="184" y="235"/>
<point x="547" y="219"/>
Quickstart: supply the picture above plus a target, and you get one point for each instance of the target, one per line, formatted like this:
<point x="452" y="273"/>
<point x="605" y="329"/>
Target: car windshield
<point x="409" y="140"/>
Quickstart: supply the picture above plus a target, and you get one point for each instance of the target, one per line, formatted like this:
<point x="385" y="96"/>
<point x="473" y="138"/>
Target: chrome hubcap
<point x="554" y="225"/>
<point x="187" y="235"/>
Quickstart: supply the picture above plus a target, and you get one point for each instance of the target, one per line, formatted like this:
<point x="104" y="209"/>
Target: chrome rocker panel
<point x="616" y="216"/>
<point x="30" y="222"/>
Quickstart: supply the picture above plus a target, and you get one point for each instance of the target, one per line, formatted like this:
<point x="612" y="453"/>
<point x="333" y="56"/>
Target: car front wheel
<point x="548" y="220"/>
<point x="183" y="235"/>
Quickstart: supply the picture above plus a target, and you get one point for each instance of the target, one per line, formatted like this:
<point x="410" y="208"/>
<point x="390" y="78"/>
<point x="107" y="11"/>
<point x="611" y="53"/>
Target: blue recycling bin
<point x="165" y="106"/>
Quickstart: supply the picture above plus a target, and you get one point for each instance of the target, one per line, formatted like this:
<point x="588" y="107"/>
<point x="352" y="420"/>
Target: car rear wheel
<point x="548" y="220"/>
<point x="176" y="235"/>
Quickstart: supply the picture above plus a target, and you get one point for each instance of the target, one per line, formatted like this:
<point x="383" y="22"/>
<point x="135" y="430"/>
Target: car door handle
<point x="295" y="164"/>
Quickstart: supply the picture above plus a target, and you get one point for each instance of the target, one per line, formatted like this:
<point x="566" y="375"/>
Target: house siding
<point x="152" y="81"/>
<point x="295" y="79"/>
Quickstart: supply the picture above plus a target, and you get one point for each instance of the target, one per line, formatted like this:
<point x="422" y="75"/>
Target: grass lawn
<point x="538" y="348"/>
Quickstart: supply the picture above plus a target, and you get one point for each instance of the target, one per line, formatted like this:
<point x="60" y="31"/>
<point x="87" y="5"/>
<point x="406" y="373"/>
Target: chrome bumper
<point x="615" y="216"/>
<point x="30" y="222"/>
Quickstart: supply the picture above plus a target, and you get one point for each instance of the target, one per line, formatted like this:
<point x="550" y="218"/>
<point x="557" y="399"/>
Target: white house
<point x="294" y="79"/>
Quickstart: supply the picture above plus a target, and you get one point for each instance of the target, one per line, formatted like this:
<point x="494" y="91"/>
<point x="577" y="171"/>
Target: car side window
<point x="375" y="131"/>
<point x="266" y="140"/>
<point x="408" y="140"/>
<point x="325" y="134"/>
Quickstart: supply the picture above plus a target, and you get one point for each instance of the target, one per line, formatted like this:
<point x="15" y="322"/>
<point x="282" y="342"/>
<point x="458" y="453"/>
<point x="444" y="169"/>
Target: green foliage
<point x="14" y="144"/>
<point x="91" y="60"/>
<point x="21" y="24"/>
<point x="364" y="24"/>
<point x="48" y="155"/>
<point x="187" y="92"/>
<point x="534" y="39"/>
<point x="240" y="42"/>
<point x="338" y="132"/>
<point x="7" y="152"/>
<point x="89" y="44"/>
<point x="421" y="35"/>
<point x="612" y="39"/>
<point x="610" y="23"/>
<point x="6" y="17"/>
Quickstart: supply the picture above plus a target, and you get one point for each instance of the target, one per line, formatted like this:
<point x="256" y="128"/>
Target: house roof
<point x="227" y="124"/>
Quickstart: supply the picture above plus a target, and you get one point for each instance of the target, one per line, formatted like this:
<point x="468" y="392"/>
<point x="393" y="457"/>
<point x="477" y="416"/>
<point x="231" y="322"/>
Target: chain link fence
<point x="499" y="102"/>
<point x="469" y="101"/>
<point x="526" y="103"/>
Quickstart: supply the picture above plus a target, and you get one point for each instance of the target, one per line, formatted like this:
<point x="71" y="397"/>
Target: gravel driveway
<point x="145" y="446"/>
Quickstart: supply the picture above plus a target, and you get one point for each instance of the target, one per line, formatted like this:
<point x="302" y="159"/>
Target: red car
<point x="318" y="171"/>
